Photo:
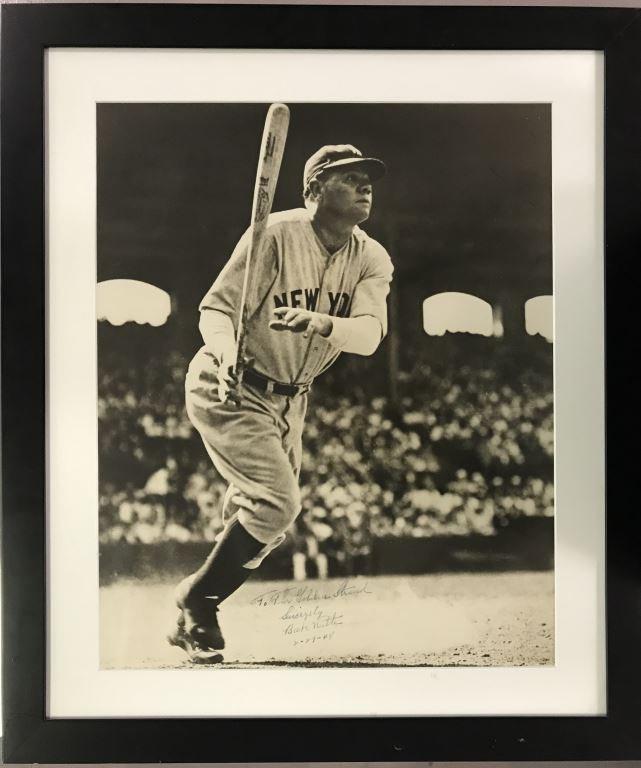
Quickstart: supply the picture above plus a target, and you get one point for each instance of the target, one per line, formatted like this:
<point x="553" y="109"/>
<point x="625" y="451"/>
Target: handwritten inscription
<point x="303" y="594"/>
<point x="311" y="639"/>
<point x="309" y="615"/>
<point x="310" y="626"/>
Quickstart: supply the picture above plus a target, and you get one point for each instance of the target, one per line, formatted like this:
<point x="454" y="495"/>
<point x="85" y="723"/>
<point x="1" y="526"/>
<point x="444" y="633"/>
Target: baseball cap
<point x="341" y="156"/>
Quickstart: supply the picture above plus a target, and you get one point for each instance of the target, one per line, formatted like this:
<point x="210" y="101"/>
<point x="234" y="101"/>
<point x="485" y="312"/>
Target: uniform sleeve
<point x="217" y="331"/>
<point x="225" y="293"/>
<point x="370" y="294"/>
<point x="359" y="335"/>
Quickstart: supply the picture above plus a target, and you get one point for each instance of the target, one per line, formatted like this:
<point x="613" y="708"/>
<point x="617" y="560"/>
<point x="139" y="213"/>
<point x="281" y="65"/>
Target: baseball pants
<point x="256" y="448"/>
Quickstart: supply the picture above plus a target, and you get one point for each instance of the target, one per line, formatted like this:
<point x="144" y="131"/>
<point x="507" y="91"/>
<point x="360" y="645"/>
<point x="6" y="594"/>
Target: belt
<point x="264" y="384"/>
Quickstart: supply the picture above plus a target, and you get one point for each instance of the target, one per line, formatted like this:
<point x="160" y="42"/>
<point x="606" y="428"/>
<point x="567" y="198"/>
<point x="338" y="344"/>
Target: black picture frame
<point x="27" y="30"/>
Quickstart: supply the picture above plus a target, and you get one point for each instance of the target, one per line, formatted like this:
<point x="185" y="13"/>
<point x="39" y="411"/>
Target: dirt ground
<point x="437" y="620"/>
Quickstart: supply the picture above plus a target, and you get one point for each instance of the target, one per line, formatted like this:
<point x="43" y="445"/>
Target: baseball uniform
<point x="257" y="447"/>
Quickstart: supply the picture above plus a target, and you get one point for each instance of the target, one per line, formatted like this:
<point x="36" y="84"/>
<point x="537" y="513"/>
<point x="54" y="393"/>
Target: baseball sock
<point x="223" y="571"/>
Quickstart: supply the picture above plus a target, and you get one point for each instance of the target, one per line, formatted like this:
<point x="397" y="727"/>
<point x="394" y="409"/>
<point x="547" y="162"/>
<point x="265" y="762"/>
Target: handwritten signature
<point x="302" y="594"/>
<point x="319" y="622"/>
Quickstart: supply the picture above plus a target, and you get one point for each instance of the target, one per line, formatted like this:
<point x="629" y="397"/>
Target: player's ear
<point x="315" y="189"/>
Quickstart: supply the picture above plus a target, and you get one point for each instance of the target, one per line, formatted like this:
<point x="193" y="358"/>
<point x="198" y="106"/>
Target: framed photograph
<point x="304" y="383"/>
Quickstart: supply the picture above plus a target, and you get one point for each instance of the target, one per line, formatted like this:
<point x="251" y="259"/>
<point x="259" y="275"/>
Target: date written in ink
<point x="314" y="639"/>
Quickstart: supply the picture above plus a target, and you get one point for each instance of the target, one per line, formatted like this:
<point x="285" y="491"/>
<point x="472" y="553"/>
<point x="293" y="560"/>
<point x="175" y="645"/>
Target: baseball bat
<point x="272" y="147"/>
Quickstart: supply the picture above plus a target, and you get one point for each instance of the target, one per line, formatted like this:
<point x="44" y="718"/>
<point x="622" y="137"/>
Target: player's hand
<point x="230" y="381"/>
<point x="299" y="320"/>
<point x="228" y="387"/>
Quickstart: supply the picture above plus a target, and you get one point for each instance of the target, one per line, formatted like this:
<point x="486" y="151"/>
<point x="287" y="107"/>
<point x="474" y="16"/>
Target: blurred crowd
<point x="461" y="451"/>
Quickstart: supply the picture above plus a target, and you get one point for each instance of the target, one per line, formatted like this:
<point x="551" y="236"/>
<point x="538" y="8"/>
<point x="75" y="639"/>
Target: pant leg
<point x="248" y="448"/>
<point x="292" y="420"/>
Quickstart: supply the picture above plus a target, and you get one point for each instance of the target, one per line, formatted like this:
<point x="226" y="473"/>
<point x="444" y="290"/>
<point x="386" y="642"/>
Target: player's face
<point x="347" y="194"/>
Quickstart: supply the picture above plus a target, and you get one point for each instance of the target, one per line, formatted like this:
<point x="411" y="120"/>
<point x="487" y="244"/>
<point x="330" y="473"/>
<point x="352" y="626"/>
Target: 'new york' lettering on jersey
<point x="294" y="269"/>
<point x="308" y="299"/>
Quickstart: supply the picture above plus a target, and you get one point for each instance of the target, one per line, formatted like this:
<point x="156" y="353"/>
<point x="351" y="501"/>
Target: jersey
<point x="294" y="269"/>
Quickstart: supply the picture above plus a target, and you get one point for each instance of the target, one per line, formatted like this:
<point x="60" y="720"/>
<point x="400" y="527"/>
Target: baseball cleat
<point x="201" y="621"/>
<point x="197" y="630"/>
<point x="201" y="644"/>
<point x="199" y="616"/>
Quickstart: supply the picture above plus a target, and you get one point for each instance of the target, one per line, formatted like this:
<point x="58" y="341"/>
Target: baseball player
<point x="319" y="288"/>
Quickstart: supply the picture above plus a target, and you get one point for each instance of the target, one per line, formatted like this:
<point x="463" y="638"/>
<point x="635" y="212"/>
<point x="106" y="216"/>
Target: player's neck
<point x="332" y="232"/>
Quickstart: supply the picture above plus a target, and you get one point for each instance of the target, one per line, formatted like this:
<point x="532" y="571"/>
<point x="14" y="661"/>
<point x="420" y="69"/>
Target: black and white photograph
<point x="305" y="412"/>
<point x="325" y="385"/>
